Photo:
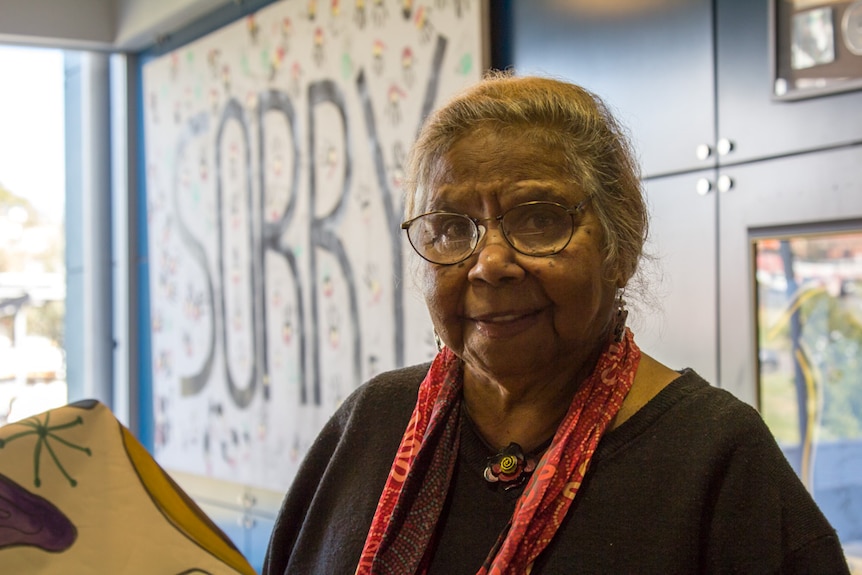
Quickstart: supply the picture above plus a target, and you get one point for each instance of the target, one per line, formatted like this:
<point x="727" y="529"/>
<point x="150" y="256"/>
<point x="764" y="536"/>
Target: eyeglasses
<point x="532" y="228"/>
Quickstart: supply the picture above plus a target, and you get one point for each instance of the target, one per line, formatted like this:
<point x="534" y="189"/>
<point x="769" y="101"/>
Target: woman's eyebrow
<point x="451" y="198"/>
<point x="443" y="204"/>
<point x="553" y="191"/>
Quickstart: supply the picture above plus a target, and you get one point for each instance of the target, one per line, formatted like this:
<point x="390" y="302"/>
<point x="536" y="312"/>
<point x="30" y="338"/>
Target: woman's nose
<point x="496" y="260"/>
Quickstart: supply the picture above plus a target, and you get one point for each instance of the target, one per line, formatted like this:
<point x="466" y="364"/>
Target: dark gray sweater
<point x="692" y="483"/>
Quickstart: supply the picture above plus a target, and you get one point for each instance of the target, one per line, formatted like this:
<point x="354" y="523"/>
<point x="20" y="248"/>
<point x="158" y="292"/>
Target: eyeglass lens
<point x="535" y="229"/>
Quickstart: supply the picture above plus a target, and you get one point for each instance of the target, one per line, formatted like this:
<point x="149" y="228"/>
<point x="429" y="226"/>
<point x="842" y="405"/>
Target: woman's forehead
<point x="492" y="168"/>
<point x="501" y="156"/>
<point x="503" y="190"/>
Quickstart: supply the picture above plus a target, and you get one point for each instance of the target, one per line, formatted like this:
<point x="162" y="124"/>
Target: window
<point x="32" y="245"/>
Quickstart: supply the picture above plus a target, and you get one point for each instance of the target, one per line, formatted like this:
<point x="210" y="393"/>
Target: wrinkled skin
<point x="528" y="329"/>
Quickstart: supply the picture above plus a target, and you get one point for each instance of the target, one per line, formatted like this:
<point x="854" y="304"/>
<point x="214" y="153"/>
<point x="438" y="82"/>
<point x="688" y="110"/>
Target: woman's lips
<point x="503" y="325"/>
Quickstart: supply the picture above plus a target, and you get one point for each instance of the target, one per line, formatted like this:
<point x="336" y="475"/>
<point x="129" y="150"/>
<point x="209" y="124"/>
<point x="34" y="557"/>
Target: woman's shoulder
<point x="716" y="402"/>
<point x="385" y="395"/>
<point x="363" y="434"/>
<point x="690" y="407"/>
<point x="392" y="386"/>
<point x="380" y="407"/>
<point x="692" y="397"/>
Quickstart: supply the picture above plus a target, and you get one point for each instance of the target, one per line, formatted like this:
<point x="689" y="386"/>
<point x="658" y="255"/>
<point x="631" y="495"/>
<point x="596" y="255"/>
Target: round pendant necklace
<point x="509" y="467"/>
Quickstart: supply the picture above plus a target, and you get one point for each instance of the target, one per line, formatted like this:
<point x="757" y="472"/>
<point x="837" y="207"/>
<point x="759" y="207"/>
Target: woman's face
<point x="504" y="313"/>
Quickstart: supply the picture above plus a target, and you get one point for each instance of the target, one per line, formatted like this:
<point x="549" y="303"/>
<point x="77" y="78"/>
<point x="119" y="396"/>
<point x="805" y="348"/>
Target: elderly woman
<point x="540" y="439"/>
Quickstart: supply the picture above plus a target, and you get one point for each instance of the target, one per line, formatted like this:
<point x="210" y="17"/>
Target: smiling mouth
<point x="505" y="324"/>
<point x="503" y="318"/>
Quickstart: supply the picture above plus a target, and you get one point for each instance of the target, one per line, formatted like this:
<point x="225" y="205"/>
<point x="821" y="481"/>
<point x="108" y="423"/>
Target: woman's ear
<point x="616" y="276"/>
<point x="623" y="272"/>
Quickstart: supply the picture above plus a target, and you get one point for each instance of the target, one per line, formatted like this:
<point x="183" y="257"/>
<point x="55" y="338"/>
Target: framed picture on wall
<point x="809" y="332"/>
<point x="816" y="47"/>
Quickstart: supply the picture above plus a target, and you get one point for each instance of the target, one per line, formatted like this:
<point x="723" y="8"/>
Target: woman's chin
<point x="507" y="356"/>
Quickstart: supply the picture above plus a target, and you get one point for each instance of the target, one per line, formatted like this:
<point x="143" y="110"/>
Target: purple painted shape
<point x="28" y="519"/>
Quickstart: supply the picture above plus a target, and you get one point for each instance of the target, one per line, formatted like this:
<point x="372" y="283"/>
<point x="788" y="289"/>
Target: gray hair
<point x="599" y="157"/>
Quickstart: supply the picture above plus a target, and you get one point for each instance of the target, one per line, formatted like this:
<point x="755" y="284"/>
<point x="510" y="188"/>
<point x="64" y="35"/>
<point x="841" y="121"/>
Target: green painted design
<point x="45" y="433"/>
<point x="465" y="66"/>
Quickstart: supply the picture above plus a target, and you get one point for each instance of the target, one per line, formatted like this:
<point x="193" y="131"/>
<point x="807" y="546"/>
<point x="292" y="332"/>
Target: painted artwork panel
<point x="279" y="279"/>
<point x="70" y="480"/>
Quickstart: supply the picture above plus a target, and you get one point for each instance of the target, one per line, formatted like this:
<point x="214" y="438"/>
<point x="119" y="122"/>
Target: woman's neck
<point x="527" y="413"/>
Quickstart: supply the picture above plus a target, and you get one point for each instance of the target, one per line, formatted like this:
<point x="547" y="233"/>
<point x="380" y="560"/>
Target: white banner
<point x="274" y="154"/>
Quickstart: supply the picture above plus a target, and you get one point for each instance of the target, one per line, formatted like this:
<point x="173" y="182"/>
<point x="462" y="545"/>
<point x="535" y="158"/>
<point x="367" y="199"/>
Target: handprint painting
<point x="79" y="494"/>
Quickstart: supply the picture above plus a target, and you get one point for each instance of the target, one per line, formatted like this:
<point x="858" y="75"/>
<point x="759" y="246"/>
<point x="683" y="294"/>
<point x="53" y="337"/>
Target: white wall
<point x="58" y="23"/>
<point x="127" y="25"/>
<point x="140" y="22"/>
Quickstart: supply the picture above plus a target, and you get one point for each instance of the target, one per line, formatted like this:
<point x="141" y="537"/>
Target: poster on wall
<point x="279" y="280"/>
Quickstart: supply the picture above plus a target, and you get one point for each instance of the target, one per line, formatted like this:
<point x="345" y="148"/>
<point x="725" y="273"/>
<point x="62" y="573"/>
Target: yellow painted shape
<point x="180" y="510"/>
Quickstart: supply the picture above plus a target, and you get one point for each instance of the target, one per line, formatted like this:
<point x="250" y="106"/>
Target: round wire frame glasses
<point x="533" y="229"/>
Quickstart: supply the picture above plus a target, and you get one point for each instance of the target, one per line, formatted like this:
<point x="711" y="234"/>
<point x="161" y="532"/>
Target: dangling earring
<point x="438" y="341"/>
<point x="620" y="318"/>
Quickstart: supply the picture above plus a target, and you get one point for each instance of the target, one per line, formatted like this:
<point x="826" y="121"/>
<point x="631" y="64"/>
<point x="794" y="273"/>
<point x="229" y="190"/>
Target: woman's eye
<point x="538" y="219"/>
<point x="456" y="229"/>
<point x="541" y="221"/>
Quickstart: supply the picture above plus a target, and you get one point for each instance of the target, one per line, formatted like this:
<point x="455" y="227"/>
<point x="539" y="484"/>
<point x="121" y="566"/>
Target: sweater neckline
<point x="686" y="384"/>
<point x="475" y="451"/>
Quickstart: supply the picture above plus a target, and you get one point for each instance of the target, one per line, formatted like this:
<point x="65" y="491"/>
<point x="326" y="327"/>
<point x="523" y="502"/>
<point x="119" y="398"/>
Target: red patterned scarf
<point x="408" y="511"/>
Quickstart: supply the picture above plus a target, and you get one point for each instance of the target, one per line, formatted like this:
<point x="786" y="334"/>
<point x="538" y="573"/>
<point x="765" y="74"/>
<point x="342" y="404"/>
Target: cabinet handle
<point x="703" y="186"/>
<point x="703" y="152"/>
<point x="724" y="183"/>
<point x="724" y="147"/>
